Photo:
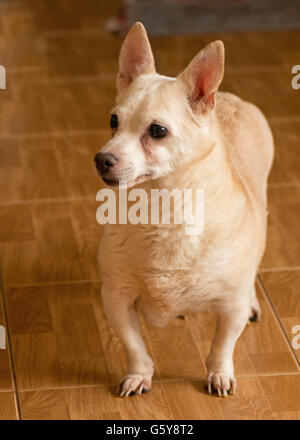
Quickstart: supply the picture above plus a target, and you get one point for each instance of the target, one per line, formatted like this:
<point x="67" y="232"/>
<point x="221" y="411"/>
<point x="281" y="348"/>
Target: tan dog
<point x="182" y="133"/>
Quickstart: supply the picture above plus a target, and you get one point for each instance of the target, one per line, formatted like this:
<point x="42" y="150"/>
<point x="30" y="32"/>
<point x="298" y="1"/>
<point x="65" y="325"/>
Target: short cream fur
<point x="217" y="142"/>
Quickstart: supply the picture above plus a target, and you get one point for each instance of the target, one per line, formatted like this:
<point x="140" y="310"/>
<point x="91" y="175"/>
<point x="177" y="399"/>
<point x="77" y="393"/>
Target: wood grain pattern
<point x="250" y="403"/>
<point x="63" y="246"/>
<point x="5" y="368"/>
<point x="7" y="407"/>
<point x="286" y="166"/>
<point x="51" y="167"/>
<point x="84" y="104"/>
<point x="283" y="392"/>
<point x="284" y="291"/>
<point x="93" y="403"/>
<point x="173" y="400"/>
<point x="287" y="415"/>
<point x="245" y="51"/>
<point x="62" y="333"/>
<point x="258" y="399"/>
<point x="54" y="328"/>
<point x="175" y="351"/>
<point x="283" y="241"/>
<point x="61" y="67"/>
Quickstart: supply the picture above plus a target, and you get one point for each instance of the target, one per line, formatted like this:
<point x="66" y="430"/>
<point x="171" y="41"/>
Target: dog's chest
<point x="175" y="272"/>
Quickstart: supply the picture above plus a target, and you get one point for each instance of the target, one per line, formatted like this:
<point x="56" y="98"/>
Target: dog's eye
<point x="114" y="122"/>
<point x="157" y="131"/>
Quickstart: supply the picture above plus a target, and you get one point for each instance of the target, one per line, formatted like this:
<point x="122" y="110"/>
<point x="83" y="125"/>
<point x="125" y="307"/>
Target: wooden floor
<point x="62" y="360"/>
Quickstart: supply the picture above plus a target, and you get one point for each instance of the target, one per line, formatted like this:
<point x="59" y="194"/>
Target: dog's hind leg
<point x="122" y="316"/>
<point x="255" y="310"/>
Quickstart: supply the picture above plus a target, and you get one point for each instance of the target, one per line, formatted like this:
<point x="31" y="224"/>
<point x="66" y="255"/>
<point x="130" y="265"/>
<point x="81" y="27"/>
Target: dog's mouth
<point x="115" y="182"/>
<point x="110" y="182"/>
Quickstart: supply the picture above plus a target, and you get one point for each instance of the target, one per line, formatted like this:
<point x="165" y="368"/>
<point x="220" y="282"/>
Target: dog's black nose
<point x="104" y="162"/>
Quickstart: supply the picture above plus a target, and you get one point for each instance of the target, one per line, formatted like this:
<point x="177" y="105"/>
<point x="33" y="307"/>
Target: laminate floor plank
<point x="284" y="292"/>
<point x="66" y="361"/>
<point x="8" y="409"/>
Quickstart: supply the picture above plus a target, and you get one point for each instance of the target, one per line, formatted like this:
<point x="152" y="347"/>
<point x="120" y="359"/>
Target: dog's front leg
<point x="219" y="363"/>
<point x="122" y="316"/>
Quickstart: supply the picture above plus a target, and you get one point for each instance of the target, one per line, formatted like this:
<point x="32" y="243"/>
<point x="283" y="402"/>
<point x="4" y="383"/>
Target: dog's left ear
<point x="203" y="76"/>
<point x="135" y="57"/>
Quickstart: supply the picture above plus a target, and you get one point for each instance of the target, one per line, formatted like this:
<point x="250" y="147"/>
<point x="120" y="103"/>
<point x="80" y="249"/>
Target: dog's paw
<point x="133" y="384"/>
<point x="221" y="384"/>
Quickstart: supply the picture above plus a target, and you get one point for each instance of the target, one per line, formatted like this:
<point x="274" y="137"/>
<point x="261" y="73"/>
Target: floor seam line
<point x="50" y="200"/>
<point x="267" y="296"/>
<point x="52" y="283"/>
<point x="10" y="355"/>
<point x="156" y="382"/>
<point x="279" y="269"/>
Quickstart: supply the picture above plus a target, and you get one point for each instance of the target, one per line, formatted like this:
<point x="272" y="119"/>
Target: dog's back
<point x="249" y="143"/>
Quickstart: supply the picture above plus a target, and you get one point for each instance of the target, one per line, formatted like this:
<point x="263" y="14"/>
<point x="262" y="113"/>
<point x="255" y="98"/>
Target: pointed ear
<point x="135" y="57"/>
<point x="203" y="76"/>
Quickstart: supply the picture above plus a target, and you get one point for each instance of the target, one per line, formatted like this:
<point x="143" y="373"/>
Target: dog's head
<point x="159" y="123"/>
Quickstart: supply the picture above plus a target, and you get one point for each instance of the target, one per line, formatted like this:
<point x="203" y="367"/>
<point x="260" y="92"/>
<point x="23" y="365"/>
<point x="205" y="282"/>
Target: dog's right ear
<point x="135" y="57"/>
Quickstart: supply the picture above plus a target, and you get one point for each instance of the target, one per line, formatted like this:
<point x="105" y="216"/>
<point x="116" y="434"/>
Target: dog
<point x="183" y="133"/>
